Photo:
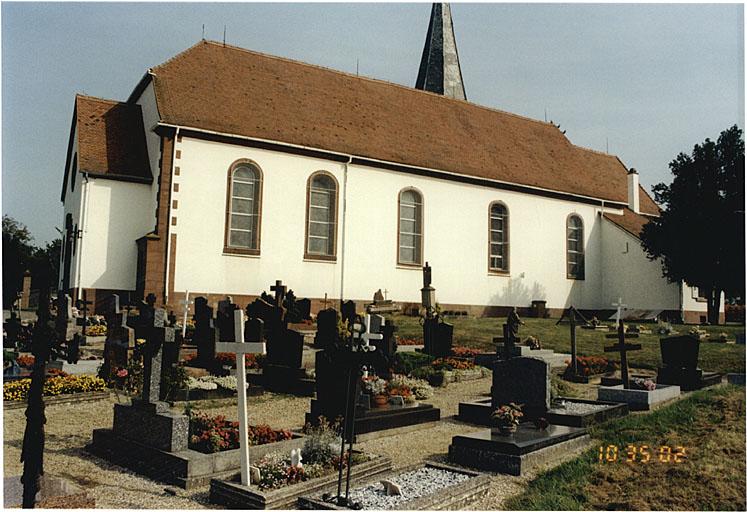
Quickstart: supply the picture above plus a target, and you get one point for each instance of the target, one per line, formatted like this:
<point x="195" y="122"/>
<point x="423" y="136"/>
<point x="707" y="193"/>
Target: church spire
<point x="439" y="66"/>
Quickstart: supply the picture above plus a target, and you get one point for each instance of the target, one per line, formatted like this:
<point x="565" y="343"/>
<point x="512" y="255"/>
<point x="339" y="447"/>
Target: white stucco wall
<point x="630" y="275"/>
<point x="116" y="214"/>
<point x="455" y="235"/>
<point x="71" y="205"/>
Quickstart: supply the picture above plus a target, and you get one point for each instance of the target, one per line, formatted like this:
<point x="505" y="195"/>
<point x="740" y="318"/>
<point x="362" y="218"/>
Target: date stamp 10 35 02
<point x="643" y="454"/>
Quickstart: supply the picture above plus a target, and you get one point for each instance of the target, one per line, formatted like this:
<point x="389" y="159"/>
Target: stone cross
<point x="240" y="348"/>
<point x="621" y="346"/>
<point x="367" y="335"/>
<point x="279" y="290"/>
<point x="83" y="306"/>
<point x="186" y="302"/>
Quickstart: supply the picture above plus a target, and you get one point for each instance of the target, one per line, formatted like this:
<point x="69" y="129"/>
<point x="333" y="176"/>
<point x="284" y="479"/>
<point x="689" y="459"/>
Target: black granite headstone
<point x="224" y="320"/>
<point x="205" y="334"/>
<point x="522" y="380"/>
<point x="326" y="328"/>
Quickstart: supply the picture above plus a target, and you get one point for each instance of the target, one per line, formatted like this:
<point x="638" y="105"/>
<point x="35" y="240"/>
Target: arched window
<point x="498" y="243"/>
<point x="73" y="172"/>
<point x="243" y="212"/>
<point x="575" y="247"/>
<point x="321" y="217"/>
<point x="410" y="228"/>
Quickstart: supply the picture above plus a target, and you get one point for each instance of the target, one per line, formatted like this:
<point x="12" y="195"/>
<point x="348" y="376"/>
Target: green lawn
<point x="479" y="333"/>
<point x="709" y="424"/>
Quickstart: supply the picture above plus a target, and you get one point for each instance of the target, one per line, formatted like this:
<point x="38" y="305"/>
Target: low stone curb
<point x="10" y="405"/>
<point x="453" y="497"/>
<point x="232" y="494"/>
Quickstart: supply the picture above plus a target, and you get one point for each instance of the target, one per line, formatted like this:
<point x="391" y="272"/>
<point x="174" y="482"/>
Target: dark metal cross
<point x="83" y="306"/>
<point x="574" y="362"/>
<point x="279" y="288"/>
<point x="623" y="348"/>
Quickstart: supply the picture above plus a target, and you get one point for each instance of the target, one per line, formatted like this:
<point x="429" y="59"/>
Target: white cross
<point x="368" y="335"/>
<point x="619" y="305"/>
<point x="240" y="348"/>
<point x="186" y="302"/>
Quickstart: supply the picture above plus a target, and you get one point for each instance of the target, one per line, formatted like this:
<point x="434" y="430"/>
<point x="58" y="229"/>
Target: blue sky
<point x="653" y="79"/>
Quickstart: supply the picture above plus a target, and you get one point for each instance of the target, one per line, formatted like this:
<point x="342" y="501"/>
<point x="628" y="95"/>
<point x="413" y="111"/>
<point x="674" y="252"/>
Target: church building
<point x="227" y="169"/>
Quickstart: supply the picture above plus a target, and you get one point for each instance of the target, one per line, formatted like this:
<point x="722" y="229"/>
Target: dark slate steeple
<point x="439" y="66"/>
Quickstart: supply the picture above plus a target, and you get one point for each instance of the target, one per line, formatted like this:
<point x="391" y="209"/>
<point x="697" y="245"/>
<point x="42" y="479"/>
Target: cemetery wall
<point x="455" y="235"/>
<point x="117" y="214"/>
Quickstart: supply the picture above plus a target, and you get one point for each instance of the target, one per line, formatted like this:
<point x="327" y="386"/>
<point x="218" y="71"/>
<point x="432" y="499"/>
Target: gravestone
<point x="147" y="428"/>
<point x="120" y="337"/>
<point x="205" y="334"/>
<point x="297" y="310"/>
<point x="348" y="312"/>
<point x="331" y="369"/>
<point x="679" y="356"/>
<point x="224" y="319"/>
<point x="326" y="328"/>
<point x="522" y="380"/>
<point x="283" y="370"/>
<point x="11" y="329"/>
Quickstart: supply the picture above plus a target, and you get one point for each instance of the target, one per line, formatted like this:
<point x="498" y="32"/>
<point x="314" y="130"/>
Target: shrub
<point x="321" y="442"/>
<point x="406" y="362"/>
<point x="174" y="378"/>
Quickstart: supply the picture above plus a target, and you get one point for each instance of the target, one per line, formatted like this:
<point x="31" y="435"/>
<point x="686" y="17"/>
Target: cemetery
<point x="368" y="425"/>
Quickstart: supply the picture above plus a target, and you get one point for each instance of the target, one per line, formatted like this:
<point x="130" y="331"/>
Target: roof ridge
<point x="178" y="55"/>
<point x="598" y="152"/>
<point x="366" y="78"/>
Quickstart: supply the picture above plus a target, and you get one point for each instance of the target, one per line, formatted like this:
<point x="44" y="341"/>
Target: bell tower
<point x="439" y="67"/>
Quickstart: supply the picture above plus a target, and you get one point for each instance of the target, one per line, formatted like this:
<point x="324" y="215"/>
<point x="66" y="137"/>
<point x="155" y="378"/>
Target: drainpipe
<point x="168" y="223"/>
<point x="603" y="255"/>
<point x="344" y="218"/>
<point x="82" y="223"/>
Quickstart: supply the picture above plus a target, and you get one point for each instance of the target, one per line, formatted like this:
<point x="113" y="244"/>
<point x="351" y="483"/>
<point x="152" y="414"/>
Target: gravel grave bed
<point x="578" y="408"/>
<point x="414" y="484"/>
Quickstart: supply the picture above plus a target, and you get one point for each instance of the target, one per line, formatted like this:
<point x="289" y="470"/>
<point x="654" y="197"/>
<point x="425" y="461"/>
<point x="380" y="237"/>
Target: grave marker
<point x="205" y="334"/>
<point x="186" y="303"/>
<point x="240" y="347"/>
<point x="621" y="346"/>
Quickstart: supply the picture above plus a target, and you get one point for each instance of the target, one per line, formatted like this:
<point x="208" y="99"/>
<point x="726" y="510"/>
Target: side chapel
<point x="227" y="169"/>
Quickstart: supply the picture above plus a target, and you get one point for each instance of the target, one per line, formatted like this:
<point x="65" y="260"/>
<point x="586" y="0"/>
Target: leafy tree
<point x="700" y="233"/>
<point x="17" y="256"/>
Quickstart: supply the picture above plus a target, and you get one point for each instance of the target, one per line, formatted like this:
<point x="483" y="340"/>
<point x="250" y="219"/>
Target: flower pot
<point x="507" y="430"/>
<point x="380" y="400"/>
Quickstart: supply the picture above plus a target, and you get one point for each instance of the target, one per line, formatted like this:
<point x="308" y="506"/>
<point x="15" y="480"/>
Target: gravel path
<point x="69" y="428"/>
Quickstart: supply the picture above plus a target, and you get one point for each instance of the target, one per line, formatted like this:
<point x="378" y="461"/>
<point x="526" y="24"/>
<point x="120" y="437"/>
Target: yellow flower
<point x="140" y="341"/>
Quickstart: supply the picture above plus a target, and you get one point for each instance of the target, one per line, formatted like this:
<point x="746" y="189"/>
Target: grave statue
<point x="513" y="323"/>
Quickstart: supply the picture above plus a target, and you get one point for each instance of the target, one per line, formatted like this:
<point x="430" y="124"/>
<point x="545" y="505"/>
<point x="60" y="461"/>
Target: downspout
<point x="168" y="222"/>
<point x="344" y="219"/>
<point x="82" y="223"/>
<point x="603" y="256"/>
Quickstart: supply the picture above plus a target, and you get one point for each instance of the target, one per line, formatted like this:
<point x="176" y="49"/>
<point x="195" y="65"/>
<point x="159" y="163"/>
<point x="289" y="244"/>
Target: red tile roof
<point x="236" y="91"/>
<point x="111" y="138"/>
<point x="629" y="221"/>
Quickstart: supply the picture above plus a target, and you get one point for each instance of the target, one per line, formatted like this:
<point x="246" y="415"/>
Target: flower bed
<point x="54" y="386"/>
<point x="25" y="361"/>
<point x="95" y="330"/>
<point x="210" y="434"/>
<point x="409" y="341"/>
<point x="451" y="363"/>
<point x="591" y="365"/>
<point x="464" y="352"/>
<point x="251" y="361"/>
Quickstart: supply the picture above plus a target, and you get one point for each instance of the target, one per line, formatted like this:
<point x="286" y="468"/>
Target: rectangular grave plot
<point x="230" y="493"/>
<point x="516" y="454"/>
<point x="476" y="411"/>
<point x="638" y="399"/>
<point x="187" y="468"/>
<point x="453" y="497"/>
<point x="599" y="412"/>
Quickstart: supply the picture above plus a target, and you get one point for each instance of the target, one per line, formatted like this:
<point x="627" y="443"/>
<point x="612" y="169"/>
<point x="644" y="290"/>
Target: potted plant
<point x="376" y="387"/>
<point x="507" y="417"/>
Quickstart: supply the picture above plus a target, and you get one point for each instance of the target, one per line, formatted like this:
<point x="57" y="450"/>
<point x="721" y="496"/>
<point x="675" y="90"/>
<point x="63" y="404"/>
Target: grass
<point x="710" y="424"/>
<point x="479" y="333"/>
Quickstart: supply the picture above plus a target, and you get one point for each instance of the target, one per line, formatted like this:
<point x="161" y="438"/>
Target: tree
<point x="17" y="257"/>
<point x="700" y="234"/>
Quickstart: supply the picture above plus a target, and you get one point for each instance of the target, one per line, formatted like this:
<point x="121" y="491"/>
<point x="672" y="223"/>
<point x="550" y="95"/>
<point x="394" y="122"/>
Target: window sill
<point x="409" y="266"/>
<point x="234" y="251"/>
<point x="318" y="258"/>
<point x="500" y="273"/>
<point x="574" y="278"/>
